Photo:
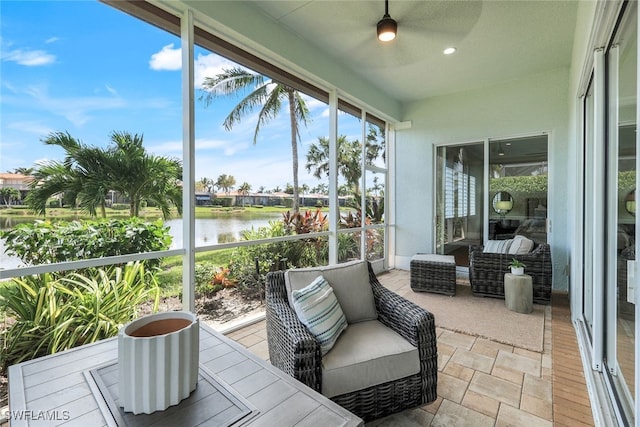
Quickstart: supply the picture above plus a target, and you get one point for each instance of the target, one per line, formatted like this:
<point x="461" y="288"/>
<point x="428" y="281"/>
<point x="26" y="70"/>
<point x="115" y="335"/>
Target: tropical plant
<point x="374" y="239"/>
<point x="226" y="182"/>
<point x="206" y="184"/>
<point x="210" y="278"/>
<point x="244" y="189"/>
<point x="516" y="263"/>
<point x="349" y="164"/>
<point x="309" y="222"/>
<point x="53" y="314"/>
<point x="44" y="242"/>
<point x="266" y="95"/>
<point x="9" y="195"/>
<point x="88" y="174"/>
<point x="22" y="171"/>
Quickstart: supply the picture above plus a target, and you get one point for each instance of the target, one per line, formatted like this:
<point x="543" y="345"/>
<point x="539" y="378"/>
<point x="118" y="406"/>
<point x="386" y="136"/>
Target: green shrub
<point x="249" y="265"/>
<point x="205" y="278"/>
<point x="54" y="203"/>
<point x="44" y="242"/>
<point x="53" y="313"/>
<point x="120" y="207"/>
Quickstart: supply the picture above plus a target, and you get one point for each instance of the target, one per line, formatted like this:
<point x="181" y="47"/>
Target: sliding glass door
<point x="518" y="175"/>
<point x="620" y="192"/>
<point x="459" y="199"/>
<point x="504" y="181"/>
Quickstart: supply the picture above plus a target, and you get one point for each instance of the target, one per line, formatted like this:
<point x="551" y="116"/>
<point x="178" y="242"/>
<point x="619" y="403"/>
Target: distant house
<point x="203" y="199"/>
<point x="15" y="180"/>
<point x="236" y="198"/>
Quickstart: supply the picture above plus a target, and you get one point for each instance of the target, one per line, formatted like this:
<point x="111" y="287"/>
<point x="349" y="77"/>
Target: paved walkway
<point x="484" y="383"/>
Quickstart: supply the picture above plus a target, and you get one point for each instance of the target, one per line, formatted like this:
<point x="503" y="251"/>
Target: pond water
<point x="209" y="231"/>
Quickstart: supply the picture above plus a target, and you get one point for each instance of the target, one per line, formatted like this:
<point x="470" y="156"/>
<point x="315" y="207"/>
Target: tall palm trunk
<point x="294" y="149"/>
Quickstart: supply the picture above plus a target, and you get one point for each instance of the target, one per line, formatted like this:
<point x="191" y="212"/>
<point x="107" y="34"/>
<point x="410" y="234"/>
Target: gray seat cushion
<point x="350" y="283"/>
<point x="367" y="354"/>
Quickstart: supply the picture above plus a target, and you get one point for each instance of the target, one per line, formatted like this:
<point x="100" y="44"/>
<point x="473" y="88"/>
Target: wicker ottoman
<point x="433" y="273"/>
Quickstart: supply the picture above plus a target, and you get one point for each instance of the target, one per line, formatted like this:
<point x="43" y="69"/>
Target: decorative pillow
<point x="318" y="309"/>
<point x="498" y="246"/>
<point x="521" y="245"/>
<point x="350" y="282"/>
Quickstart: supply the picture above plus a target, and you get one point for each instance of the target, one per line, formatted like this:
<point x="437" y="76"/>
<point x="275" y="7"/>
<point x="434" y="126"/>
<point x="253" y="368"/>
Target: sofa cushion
<point x="365" y="355"/>
<point x="318" y="309"/>
<point x="498" y="246"/>
<point x="520" y="246"/>
<point x="350" y="283"/>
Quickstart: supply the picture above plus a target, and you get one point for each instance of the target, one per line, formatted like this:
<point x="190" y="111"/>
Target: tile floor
<point x="484" y="383"/>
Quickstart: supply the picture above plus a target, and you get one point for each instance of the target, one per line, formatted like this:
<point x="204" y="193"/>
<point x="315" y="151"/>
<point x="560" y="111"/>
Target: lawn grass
<point x="148" y="213"/>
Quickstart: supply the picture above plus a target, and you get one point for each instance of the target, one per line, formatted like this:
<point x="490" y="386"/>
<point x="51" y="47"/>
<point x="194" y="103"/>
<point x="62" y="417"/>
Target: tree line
<point x="88" y="173"/>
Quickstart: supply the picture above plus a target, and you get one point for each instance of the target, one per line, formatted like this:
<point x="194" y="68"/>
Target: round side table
<point x="518" y="293"/>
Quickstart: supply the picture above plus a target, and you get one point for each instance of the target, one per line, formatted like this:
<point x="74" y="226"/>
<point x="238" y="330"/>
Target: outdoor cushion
<point x="520" y="246"/>
<point x="498" y="246"/>
<point x="318" y="309"/>
<point x="350" y="283"/>
<point x="365" y="355"/>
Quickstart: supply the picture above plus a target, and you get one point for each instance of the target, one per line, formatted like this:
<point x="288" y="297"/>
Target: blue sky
<point x="88" y="69"/>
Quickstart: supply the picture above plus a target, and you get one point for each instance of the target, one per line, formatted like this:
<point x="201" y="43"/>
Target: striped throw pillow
<point x="318" y="309"/>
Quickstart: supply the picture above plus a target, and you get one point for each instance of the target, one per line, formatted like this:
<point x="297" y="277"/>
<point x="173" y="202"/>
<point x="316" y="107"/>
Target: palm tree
<point x="143" y="177"/>
<point x="88" y="174"/>
<point x="23" y="171"/>
<point x="207" y="184"/>
<point x="349" y="165"/>
<point x="244" y="189"/>
<point x="80" y="176"/>
<point x="268" y="96"/>
<point x="226" y="182"/>
<point x="9" y="195"/>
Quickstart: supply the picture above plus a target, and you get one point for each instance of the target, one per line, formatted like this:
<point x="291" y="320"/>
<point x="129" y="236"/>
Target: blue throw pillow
<point x="318" y="309"/>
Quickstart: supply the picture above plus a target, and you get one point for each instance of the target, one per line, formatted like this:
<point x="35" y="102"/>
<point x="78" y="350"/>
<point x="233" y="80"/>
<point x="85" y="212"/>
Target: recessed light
<point x="449" y="50"/>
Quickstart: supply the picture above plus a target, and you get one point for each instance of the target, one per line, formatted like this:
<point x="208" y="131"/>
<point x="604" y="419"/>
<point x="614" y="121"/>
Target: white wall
<point x="528" y="105"/>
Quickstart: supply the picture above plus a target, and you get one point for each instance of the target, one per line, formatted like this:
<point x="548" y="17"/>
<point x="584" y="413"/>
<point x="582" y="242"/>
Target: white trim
<point x="636" y="378"/>
<point x="601" y="408"/>
<point x="389" y="197"/>
<point x="577" y="277"/>
<point x="188" y="156"/>
<point x="334" y="207"/>
<point x="597" y="207"/>
<point x="485" y="192"/>
<point x="86" y="263"/>
<point x="611" y="234"/>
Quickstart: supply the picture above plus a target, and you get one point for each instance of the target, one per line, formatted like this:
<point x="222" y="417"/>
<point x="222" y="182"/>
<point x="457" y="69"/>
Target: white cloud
<point x="51" y="40"/>
<point x="29" y="58"/>
<point x="30" y="127"/>
<point x="206" y="65"/>
<point x="78" y="110"/>
<point x="209" y="66"/>
<point x="169" y="58"/>
<point x="111" y="90"/>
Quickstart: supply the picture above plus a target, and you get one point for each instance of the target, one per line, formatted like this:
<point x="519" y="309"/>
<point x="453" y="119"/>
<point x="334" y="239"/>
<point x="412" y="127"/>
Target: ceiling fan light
<point x="387" y="28"/>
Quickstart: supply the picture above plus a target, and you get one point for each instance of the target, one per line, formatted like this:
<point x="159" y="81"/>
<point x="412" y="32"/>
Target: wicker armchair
<point x="294" y="350"/>
<point x="487" y="270"/>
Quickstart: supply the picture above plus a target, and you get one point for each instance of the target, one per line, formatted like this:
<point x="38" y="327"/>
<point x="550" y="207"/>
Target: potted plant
<point x="517" y="267"/>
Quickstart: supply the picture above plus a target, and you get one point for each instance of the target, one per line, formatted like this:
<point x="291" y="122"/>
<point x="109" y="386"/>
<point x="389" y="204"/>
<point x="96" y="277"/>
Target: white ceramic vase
<point x="158" y="357"/>
<point x="517" y="271"/>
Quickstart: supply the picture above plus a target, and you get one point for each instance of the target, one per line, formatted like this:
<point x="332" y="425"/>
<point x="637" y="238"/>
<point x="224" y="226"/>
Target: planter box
<point x="158" y="358"/>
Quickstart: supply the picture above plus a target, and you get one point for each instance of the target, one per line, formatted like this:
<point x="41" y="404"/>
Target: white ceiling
<point x="496" y="41"/>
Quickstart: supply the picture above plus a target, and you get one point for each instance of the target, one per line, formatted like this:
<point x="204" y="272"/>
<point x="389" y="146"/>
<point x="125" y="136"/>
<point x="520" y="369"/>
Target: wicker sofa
<point x="295" y="350"/>
<point x="487" y="270"/>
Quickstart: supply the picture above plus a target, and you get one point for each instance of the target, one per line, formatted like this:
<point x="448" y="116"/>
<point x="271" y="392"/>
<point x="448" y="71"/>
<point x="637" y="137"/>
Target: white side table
<point x="518" y="293"/>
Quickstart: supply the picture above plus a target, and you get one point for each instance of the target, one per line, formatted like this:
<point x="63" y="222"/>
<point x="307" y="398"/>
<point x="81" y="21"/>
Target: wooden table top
<point x="73" y="388"/>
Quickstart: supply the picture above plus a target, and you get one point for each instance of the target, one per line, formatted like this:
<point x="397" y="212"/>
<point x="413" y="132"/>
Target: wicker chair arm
<point x="292" y="348"/>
